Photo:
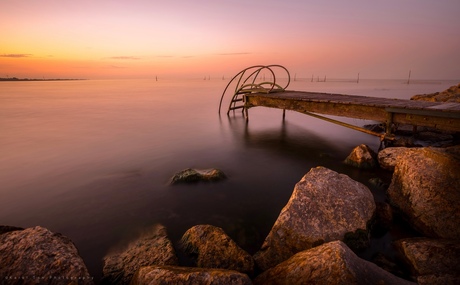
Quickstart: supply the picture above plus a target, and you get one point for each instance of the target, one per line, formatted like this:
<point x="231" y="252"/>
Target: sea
<point x="93" y="159"/>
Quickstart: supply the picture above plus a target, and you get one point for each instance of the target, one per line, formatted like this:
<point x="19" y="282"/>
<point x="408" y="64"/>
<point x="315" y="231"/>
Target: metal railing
<point x="246" y="82"/>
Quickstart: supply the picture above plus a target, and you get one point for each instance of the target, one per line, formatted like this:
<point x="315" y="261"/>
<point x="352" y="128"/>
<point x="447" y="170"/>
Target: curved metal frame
<point x="247" y="86"/>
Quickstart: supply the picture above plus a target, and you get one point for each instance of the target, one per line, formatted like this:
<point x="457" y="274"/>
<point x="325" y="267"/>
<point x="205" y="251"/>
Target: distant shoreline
<point x="36" y="79"/>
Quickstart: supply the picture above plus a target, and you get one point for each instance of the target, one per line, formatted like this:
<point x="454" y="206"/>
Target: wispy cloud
<point x="235" y="53"/>
<point x="16" y="55"/>
<point x="115" y="67"/>
<point x="164" y="56"/>
<point x="125" y="57"/>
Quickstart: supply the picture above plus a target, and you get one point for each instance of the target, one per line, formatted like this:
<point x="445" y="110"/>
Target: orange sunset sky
<point x="147" y="38"/>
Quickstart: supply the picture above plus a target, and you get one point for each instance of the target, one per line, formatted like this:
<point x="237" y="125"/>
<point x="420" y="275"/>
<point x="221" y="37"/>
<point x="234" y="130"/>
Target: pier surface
<point x="438" y="115"/>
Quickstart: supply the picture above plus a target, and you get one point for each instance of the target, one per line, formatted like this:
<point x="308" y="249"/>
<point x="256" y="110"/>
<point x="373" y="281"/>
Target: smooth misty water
<point x="92" y="159"/>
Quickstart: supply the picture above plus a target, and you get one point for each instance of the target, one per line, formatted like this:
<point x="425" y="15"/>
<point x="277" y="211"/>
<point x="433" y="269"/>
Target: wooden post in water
<point x="389" y="124"/>
<point x="408" y="79"/>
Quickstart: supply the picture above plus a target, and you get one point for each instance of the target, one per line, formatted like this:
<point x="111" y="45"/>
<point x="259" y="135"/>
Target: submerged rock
<point x="362" y="156"/>
<point x="328" y="264"/>
<point x="36" y="255"/>
<point x="153" y="275"/>
<point x="378" y="183"/>
<point x="426" y="188"/>
<point x="383" y="219"/>
<point x="195" y="175"/>
<point x="324" y="206"/>
<point x="215" y="249"/>
<point x="151" y="248"/>
<point x="432" y="261"/>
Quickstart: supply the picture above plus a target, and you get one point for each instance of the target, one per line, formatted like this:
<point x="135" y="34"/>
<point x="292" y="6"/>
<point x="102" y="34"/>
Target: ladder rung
<point x="234" y="108"/>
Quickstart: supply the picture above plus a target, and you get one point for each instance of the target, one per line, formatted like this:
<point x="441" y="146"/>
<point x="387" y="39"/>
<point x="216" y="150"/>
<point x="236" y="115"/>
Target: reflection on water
<point x="92" y="159"/>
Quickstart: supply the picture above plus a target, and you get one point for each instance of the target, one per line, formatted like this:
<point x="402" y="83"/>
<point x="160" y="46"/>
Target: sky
<point x="107" y="39"/>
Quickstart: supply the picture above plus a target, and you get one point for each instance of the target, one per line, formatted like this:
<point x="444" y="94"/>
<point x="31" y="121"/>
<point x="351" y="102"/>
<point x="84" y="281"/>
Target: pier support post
<point x="284" y="114"/>
<point x="389" y="124"/>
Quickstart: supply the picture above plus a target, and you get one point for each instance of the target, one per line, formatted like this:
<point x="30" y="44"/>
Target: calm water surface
<point x="92" y="159"/>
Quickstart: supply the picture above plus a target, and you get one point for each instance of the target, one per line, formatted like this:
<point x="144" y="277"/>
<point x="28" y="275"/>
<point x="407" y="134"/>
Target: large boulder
<point x="38" y="256"/>
<point x="324" y="206"/>
<point x="388" y="157"/>
<point x="328" y="264"/>
<point x="153" y="247"/>
<point x="426" y="188"/>
<point x="432" y="261"/>
<point x="191" y="175"/>
<point x="363" y="157"/>
<point x="160" y="275"/>
<point x="213" y="248"/>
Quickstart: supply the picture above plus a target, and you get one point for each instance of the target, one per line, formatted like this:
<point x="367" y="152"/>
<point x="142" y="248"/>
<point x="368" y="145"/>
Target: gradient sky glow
<point x="145" y="38"/>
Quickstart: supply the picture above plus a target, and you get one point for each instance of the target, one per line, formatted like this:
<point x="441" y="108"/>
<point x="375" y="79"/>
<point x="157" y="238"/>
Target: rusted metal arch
<point x="247" y="84"/>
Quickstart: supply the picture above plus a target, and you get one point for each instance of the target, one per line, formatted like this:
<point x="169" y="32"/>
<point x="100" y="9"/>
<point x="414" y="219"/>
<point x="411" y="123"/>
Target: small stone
<point x="378" y="183"/>
<point x="190" y="175"/>
<point x="363" y="157"/>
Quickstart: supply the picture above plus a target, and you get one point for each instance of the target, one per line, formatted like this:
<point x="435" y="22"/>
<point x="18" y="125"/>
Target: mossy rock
<point x="191" y="175"/>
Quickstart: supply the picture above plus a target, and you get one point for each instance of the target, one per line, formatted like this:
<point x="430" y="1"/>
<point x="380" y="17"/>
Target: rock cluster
<point x="425" y="189"/>
<point x="451" y="94"/>
<point x="324" y="206"/>
<point x="327" y="218"/>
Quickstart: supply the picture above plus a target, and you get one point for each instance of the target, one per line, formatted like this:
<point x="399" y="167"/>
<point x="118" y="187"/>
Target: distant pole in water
<point x="156" y="78"/>
<point x="324" y="78"/>
<point x="312" y="78"/>
<point x="295" y="77"/>
<point x="408" y="79"/>
<point x="357" y="81"/>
